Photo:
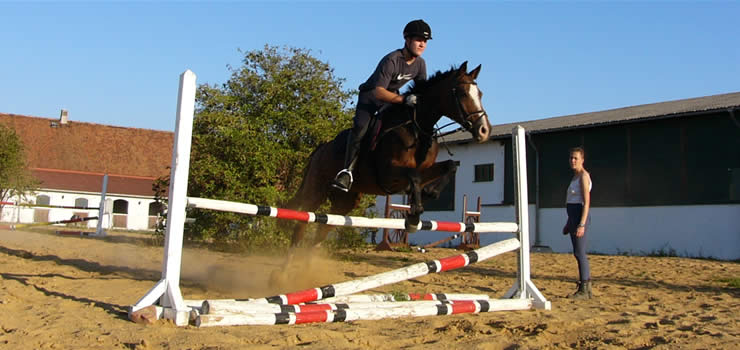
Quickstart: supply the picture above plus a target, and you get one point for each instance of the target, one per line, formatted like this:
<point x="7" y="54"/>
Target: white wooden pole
<point x="223" y="307"/>
<point x="167" y="290"/>
<point x="346" y="315"/>
<point x="523" y="288"/>
<point x="351" y="221"/>
<point x="102" y="210"/>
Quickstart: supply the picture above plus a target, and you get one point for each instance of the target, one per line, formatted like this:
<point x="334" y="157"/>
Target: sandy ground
<point x="62" y="292"/>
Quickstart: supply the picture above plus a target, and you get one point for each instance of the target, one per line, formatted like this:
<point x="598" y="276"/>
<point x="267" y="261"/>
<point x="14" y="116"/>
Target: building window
<point x="483" y="173"/>
<point x="43" y="200"/>
<point x="156" y="208"/>
<point x="120" y="206"/>
<point x="81" y="203"/>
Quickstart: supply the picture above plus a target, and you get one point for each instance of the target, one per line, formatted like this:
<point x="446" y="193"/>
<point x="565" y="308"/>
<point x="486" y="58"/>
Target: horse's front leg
<point x="415" y="186"/>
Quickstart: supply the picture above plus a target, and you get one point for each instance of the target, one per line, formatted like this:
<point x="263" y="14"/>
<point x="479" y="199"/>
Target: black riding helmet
<point x="417" y="28"/>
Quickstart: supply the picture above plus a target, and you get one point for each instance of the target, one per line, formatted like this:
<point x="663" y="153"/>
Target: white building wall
<point x="25" y="214"/>
<point x="137" y="218"/>
<point x="689" y="230"/>
<point x="470" y="155"/>
<point x="138" y="212"/>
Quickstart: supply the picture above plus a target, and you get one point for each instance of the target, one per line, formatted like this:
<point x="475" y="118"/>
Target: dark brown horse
<point x="404" y="160"/>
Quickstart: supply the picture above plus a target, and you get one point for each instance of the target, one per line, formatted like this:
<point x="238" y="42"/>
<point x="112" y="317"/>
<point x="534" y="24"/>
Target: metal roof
<point x="667" y="109"/>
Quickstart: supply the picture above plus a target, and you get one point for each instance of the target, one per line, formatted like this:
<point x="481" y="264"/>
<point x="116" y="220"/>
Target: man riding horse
<point x="393" y="72"/>
<point x="403" y="157"/>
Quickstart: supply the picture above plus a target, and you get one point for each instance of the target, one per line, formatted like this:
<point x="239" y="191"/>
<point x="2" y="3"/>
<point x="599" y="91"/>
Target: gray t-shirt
<point x="392" y="73"/>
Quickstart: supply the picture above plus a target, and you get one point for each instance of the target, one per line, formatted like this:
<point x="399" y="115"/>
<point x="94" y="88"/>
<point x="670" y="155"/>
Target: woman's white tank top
<point x="575" y="194"/>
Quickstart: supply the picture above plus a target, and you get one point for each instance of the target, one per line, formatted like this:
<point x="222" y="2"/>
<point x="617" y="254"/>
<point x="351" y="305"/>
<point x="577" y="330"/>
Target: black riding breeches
<point x="363" y="114"/>
<point x="575" y="212"/>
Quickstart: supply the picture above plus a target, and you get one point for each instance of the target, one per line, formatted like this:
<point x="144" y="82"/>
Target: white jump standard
<point x="165" y="299"/>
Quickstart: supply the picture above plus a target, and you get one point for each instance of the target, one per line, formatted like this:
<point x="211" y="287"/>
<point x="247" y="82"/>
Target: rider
<point x="393" y="72"/>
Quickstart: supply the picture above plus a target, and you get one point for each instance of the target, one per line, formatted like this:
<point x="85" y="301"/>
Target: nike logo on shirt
<point x="403" y="77"/>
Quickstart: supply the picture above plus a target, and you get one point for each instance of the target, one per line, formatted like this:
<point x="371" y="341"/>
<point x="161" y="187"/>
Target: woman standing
<point x="578" y="203"/>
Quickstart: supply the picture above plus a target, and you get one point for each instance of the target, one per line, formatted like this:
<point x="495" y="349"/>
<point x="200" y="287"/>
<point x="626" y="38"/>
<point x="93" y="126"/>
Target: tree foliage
<point x="253" y="135"/>
<point x="15" y="178"/>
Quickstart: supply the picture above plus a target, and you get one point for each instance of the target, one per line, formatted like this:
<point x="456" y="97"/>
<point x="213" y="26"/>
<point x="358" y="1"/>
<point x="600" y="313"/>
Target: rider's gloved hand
<point x="410" y="100"/>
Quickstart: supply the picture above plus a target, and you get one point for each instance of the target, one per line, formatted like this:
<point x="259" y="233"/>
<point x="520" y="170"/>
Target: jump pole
<point x="47" y="223"/>
<point x="345" y="315"/>
<point x="372" y="298"/>
<point x="351" y="221"/>
<point x="394" y="276"/>
<point x="376" y="298"/>
<point x="225" y="307"/>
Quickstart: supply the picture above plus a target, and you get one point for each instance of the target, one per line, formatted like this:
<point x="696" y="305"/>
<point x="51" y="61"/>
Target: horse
<point x="404" y="156"/>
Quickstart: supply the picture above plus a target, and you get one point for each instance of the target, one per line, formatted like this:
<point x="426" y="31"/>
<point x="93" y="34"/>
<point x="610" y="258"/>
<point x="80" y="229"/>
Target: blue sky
<point x="118" y="63"/>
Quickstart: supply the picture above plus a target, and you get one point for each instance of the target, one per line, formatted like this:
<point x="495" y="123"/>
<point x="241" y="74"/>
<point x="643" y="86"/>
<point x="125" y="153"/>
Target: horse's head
<point x="467" y="108"/>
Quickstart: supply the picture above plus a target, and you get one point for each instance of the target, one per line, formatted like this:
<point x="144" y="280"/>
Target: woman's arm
<point x="585" y="187"/>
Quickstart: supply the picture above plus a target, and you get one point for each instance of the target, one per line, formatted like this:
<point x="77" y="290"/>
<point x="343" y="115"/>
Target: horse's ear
<point x="474" y="74"/>
<point x="463" y="68"/>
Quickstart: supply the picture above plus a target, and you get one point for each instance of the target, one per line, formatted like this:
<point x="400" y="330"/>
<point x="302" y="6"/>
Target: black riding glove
<point x="410" y="100"/>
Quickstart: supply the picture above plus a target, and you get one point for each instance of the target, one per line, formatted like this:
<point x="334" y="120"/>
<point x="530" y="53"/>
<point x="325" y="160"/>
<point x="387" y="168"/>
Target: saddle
<point x="376" y="127"/>
<point x="374" y="134"/>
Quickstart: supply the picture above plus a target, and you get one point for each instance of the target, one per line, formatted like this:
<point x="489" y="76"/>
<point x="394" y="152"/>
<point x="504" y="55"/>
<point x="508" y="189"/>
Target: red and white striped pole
<point x="47" y="223"/>
<point x="223" y="307"/>
<point x="345" y="315"/>
<point x="394" y="276"/>
<point x="351" y="221"/>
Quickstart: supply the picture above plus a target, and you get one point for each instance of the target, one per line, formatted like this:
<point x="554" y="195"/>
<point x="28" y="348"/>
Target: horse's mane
<point x="418" y="87"/>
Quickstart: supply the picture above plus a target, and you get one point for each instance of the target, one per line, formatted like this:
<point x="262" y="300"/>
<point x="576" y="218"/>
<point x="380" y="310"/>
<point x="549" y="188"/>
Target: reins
<point x="435" y="133"/>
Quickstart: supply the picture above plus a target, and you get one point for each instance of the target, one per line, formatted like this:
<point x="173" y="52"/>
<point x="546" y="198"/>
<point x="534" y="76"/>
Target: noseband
<point x="465" y="117"/>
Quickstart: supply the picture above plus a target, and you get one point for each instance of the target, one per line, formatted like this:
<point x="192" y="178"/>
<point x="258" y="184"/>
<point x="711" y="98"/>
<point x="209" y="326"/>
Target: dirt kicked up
<point x="67" y="292"/>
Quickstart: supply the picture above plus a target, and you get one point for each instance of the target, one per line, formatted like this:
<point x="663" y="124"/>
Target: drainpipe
<point x="537" y="247"/>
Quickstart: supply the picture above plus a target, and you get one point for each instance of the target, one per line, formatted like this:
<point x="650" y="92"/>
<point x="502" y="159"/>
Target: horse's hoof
<point x="411" y="228"/>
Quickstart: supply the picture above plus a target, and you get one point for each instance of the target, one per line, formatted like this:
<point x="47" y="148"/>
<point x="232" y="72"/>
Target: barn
<point x="666" y="178"/>
<point x="70" y="158"/>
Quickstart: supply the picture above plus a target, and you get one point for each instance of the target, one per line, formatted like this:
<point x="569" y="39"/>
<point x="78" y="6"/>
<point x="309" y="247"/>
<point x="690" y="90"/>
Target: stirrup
<point x="340" y="186"/>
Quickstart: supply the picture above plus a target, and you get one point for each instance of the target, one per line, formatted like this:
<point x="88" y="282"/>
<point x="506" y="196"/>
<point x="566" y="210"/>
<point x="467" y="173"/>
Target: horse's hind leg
<point x="282" y="277"/>
<point x="313" y="191"/>
<point x="341" y="204"/>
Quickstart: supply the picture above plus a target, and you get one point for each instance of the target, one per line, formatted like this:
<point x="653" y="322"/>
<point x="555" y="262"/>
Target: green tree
<point x="15" y="178"/>
<point x="252" y="137"/>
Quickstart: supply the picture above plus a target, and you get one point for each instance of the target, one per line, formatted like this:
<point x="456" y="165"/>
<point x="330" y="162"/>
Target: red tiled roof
<point x="78" y="181"/>
<point x="94" y="148"/>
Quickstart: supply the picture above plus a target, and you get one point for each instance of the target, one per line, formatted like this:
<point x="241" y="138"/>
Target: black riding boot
<point x="583" y="292"/>
<point x="343" y="180"/>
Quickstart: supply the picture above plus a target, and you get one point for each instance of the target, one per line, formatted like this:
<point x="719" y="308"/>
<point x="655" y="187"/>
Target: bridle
<point x="465" y="117"/>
